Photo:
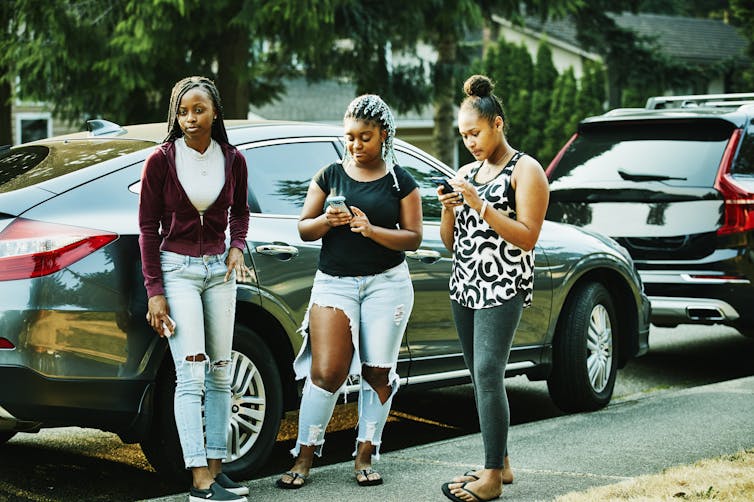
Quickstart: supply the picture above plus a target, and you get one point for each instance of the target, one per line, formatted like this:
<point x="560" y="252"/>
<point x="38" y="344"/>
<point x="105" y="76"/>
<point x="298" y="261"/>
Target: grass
<point x="728" y="478"/>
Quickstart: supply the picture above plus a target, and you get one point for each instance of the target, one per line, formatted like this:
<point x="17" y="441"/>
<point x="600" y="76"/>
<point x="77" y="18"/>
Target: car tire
<point x="585" y="361"/>
<point x="257" y="409"/>
<point x="5" y="437"/>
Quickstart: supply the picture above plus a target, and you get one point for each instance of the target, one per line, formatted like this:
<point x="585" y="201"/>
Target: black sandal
<point x="366" y="481"/>
<point x="290" y="485"/>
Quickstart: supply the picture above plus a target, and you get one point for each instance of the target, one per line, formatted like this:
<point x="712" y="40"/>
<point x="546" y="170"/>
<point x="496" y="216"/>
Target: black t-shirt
<point x="347" y="253"/>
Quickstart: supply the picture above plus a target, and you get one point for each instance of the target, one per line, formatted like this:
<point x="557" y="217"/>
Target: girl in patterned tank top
<point x="491" y="223"/>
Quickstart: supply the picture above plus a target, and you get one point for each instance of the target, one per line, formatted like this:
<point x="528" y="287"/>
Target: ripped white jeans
<point x="203" y="308"/>
<point x="378" y="307"/>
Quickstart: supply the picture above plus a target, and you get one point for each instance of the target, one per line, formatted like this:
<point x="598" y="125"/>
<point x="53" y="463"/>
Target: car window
<point x="28" y="165"/>
<point x="279" y="174"/>
<point x="686" y="153"/>
<point x="744" y="163"/>
<point x="422" y="170"/>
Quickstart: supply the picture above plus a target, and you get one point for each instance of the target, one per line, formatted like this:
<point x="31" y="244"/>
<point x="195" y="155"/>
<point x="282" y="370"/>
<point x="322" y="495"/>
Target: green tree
<point x="119" y="59"/>
<point x="743" y="11"/>
<point x="563" y="120"/>
<point x="545" y="75"/>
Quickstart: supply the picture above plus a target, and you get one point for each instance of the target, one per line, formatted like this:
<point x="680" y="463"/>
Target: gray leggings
<point x="486" y="336"/>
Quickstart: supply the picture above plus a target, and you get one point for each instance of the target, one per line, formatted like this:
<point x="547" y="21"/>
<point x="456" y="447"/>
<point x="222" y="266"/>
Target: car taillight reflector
<point x="6" y="344"/>
<point x="30" y="248"/>
<point x="739" y="202"/>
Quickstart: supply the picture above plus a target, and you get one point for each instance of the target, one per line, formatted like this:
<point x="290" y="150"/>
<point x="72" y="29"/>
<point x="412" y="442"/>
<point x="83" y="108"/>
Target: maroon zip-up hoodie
<point x="169" y="221"/>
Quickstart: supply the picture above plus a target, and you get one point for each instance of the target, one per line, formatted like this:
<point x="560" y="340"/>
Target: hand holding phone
<point x="168" y="330"/>
<point x="446" y="187"/>
<point x="338" y="202"/>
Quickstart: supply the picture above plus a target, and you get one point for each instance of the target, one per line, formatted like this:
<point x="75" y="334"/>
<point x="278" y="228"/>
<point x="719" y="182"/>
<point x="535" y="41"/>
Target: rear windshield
<point x="28" y="165"/>
<point x="675" y="153"/>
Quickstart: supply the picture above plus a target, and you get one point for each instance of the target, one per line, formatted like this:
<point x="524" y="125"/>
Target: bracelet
<point x="483" y="209"/>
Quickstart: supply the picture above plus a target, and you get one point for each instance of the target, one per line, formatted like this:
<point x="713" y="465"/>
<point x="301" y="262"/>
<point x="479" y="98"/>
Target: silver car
<point x="75" y="348"/>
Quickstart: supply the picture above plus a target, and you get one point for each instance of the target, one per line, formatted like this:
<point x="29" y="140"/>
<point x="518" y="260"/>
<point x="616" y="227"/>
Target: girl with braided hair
<point x="491" y="223"/>
<point x="362" y="294"/>
<point x="193" y="187"/>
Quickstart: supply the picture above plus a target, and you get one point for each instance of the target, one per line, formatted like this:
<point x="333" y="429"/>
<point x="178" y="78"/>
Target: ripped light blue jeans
<point x="378" y="307"/>
<point x="203" y="307"/>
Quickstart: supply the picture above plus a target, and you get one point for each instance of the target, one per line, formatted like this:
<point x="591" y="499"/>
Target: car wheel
<point x="257" y="409"/>
<point x="5" y="436"/>
<point x="584" y="351"/>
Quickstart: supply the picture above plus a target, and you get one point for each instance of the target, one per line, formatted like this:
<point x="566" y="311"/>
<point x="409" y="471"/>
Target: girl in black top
<point x="362" y="294"/>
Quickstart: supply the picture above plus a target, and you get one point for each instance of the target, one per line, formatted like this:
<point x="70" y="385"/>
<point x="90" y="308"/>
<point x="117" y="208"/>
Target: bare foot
<point x="470" y="476"/>
<point x="476" y="490"/>
<point x="300" y="471"/>
<point x="363" y="466"/>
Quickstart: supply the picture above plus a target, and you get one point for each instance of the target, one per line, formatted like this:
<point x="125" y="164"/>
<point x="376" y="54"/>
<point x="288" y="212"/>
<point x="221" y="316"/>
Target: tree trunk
<point x="232" y="73"/>
<point x="443" y="80"/>
<point x="6" y="117"/>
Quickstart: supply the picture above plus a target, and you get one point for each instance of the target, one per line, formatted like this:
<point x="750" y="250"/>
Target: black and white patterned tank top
<point x="487" y="270"/>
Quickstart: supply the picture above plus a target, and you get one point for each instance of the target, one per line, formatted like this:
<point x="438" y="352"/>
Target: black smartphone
<point x="441" y="181"/>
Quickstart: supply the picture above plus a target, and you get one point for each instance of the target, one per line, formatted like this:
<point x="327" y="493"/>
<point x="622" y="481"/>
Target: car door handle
<point x="424" y="255"/>
<point x="282" y="251"/>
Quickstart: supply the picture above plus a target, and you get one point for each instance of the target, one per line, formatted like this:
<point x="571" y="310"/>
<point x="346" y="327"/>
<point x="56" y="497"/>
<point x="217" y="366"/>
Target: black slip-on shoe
<point x="223" y="480"/>
<point x="215" y="492"/>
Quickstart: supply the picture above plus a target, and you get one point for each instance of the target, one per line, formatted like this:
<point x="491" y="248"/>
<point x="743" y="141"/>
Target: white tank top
<point x="202" y="175"/>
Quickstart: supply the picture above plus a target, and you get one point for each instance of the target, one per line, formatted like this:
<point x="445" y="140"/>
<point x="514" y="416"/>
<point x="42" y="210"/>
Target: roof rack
<point x="693" y="100"/>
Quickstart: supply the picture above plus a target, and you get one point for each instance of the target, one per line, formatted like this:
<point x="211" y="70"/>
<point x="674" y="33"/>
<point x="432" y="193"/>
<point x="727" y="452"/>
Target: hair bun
<point x="478" y="85"/>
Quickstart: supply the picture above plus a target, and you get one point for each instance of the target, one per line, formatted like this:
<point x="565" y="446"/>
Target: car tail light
<point x="739" y="203"/>
<point x="559" y="156"/>
<point x="6" y="344"/>
<point x="30" y="248"/>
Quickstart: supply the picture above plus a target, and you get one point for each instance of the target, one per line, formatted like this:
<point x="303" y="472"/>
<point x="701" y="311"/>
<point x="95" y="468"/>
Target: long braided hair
<point x="181" y="87"/>
<point x="373" y="110"/>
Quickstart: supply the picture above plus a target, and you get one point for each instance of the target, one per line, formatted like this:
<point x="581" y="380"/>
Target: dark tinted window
<point x="744" y="163"/>
<point x="25" y="166"/>
<point x="279" y="174"/>
<point x="422" y="171"/>
<point x="689" y="152"/>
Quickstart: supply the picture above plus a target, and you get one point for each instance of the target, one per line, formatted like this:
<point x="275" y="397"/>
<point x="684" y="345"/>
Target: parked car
<point x="674" y="184"/>
<point x="75" y="348"/>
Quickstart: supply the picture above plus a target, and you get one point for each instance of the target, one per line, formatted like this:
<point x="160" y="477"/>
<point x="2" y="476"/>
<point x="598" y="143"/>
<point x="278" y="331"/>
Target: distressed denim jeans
<point x="378" y="308"/>
<point x="203" y="307"/>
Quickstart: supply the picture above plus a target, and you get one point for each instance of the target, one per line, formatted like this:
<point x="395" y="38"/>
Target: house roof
<point x="326" y="102"/>
<point x="694" y="40"/>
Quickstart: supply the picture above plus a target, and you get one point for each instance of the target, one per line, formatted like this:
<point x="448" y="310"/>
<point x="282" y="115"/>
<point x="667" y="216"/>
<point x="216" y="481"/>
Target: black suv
<point x="673" y="183"/>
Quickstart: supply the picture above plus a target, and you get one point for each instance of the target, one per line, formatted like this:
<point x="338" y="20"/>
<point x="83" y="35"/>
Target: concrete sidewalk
<point x="552" y="457"/>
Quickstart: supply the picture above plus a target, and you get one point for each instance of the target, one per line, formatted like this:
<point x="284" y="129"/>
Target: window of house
<point x="32" y="127"/>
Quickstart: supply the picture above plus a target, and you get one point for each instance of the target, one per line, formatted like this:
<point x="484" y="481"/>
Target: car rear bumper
<point x="682" y="310"/>
<point x="33" y="401"/>
<point x="694" y="297"/>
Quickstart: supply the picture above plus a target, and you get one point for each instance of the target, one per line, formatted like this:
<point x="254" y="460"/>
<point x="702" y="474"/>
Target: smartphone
<point x="338" y="202"/>
<point x="166" y="329"/>
<point x="443" y="182"/>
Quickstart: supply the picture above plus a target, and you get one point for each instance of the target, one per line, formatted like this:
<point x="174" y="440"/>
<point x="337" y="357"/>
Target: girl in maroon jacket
<point x="193" y="188"/>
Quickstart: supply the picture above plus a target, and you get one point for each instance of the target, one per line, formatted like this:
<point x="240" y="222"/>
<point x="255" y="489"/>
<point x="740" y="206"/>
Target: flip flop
<point x="366" y="481"/>
<point x="446" y="491"/>
<point x="290" y="485"/>
<point x="472" y="474"/>
<point x="468" y="474"/>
